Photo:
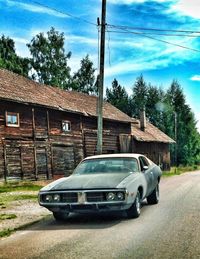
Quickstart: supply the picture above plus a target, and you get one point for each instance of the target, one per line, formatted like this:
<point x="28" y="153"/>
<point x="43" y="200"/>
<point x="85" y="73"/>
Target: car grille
<point x="95" y="196"/>
<point x="83" y="207"/>
<point x="69" y="197"/>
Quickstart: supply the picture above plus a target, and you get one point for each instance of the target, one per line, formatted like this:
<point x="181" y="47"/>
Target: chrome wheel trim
<point x="157" y="193"/>
<point x="138" y="205"/>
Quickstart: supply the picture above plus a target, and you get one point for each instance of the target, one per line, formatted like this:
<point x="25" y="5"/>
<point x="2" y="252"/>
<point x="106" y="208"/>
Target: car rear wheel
<point x="60" y="216"/>
<point x="153" y="198"/>
<point x="135" y="210"/>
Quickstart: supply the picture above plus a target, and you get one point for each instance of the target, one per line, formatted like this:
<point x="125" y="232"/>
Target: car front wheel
<point x="60" y="216"/>
<point x="135" y="210"/>
<point x="153" y="198"/>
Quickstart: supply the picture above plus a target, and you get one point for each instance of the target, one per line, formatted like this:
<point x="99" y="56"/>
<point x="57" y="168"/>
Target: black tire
<point x="135" y="210"/>
<point x="60" y="216"/>
<point x="153" y="198"/>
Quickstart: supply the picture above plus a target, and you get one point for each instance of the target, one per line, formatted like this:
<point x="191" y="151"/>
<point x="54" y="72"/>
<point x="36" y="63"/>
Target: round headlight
<point x="48" y="198"/>
<point x="110" y="196"/>
<point x="120" y="196"/>
<point x="56" y="197"/>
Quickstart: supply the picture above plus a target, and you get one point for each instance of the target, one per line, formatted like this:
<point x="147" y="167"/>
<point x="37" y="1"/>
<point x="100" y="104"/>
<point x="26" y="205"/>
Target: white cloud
<point x="126" y="67"/>
<point x="20" y="40"/>
<point x="36" y="8"/>
<point x="129" y="2"/>
<point x="80" y="39"/>
<point x="195" y="78"/>
<point x="155" y="56"/>
<point x="187" y="7"/>
<point x="198" y="122"/>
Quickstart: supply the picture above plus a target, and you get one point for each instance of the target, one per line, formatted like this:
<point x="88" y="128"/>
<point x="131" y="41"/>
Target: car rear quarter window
<point x="143" y="162"/>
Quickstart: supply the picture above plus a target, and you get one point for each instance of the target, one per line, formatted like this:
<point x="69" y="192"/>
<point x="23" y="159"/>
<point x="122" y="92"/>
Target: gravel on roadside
<point x="27" y="211"/>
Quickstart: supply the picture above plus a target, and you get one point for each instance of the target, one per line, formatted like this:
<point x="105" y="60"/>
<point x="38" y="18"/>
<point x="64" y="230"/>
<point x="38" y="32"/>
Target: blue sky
<point x="127" y="54"/>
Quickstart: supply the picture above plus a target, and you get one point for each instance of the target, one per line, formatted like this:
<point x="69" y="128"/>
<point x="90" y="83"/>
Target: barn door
<point x="41" y="163"/>
<point x="62" y="160"/>
<point x="125" y="143"/>
<point x="90" y="143"/>
<point x="13" y="162"/>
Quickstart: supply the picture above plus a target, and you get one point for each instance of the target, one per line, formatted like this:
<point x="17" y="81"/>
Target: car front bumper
<point x="77" y="201"/>
<point x="81" y="208"/>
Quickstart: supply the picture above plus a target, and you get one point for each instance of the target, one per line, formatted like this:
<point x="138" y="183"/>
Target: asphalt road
<point x="170" y="229"/>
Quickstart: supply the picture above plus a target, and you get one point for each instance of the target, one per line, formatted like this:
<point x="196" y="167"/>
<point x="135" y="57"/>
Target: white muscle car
<point x="104" y="183"/>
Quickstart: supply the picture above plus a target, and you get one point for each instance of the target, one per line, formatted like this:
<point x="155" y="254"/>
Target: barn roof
<point x="151" y="134"/>
<point x="17" y="88"/>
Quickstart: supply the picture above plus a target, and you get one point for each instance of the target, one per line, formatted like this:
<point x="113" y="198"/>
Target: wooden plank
<point x="5" y="163"/>
<point x="48" y="172"/>
<point x="48" y="125"/>
<point x="33" y="122"/>
<point x="35" y="162"/>
<point x="21" y="163"/>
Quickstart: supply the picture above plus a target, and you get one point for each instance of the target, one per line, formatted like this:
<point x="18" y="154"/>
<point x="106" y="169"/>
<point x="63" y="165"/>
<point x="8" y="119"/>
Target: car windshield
<point x="107" y="165"/>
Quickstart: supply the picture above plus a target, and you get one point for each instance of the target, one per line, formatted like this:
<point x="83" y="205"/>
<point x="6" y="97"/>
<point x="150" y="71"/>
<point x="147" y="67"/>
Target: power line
<point x="160" y="34"/>
<point x="164" y="41"/>
<point x="150" y="29"/>
<point x="65" y="13"/>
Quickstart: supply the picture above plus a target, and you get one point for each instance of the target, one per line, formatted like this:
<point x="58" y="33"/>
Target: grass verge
<point x="19" y="186"/>
<point x="5" y="216"/>
<point x="8" y="232"/>
<point x="180" y="170"/>
<point x="4" y="199"/>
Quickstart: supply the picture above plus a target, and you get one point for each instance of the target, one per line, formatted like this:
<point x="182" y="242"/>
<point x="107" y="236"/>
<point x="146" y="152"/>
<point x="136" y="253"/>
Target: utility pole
<point x="175" y="136"/>
<point x="101" y="80"/>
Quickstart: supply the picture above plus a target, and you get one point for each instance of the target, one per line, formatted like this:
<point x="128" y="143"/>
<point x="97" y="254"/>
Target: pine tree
<point x="84" y="79"/>
<point x="118" y="97"/>
<point x="139" y="96"/>
<point x="187" y="137"/>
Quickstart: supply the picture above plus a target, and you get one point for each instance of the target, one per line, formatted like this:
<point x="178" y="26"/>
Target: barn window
<point x="66" y="126"/>
<point x="12" y="119"/>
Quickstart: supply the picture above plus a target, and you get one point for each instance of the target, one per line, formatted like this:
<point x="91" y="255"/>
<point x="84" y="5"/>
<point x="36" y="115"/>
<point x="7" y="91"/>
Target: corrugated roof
<point x="17" y="88"/>
<point x="151" y="134"/>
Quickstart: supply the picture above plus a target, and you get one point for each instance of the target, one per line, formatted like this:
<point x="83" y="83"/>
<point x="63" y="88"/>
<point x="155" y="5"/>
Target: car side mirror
<point x="145" y="167"/>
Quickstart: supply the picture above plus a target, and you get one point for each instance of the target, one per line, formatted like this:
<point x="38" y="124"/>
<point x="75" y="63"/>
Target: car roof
<point x="128" y="155"/>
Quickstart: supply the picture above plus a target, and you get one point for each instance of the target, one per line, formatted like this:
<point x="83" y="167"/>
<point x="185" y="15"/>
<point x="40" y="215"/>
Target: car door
<point x="146" y="170"/>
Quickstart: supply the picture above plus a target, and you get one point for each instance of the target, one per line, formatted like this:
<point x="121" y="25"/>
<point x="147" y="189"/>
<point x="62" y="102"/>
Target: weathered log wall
<point x="38" y="148"/>
<point x="158" y="152"/>
<point x="111" y="132"/>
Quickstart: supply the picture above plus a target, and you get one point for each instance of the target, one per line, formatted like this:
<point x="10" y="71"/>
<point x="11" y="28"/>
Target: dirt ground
<point x="27" y="212"/>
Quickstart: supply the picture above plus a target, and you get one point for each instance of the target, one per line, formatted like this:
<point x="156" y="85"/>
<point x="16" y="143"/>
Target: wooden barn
<point x="45" y="131"/>
<point x="150" y="141"/>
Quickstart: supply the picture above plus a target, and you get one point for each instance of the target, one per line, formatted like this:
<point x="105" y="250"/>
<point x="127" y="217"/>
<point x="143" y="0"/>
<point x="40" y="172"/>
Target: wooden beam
<point x="48" y="125"/>
<point x="46" y="153"/>
<point x="52" y="172"/>
<point x="5" y="162"/>
<point x="33" y="122"/>
<point x="35" y="161"/>
<point x="21" y="163"/>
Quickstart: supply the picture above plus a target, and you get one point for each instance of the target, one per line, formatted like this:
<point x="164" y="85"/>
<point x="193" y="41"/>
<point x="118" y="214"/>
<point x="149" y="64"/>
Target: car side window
<point x="143" y="162"/>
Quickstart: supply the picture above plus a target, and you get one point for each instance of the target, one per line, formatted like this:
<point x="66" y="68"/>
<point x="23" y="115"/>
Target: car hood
<point x="88" y="181"/>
